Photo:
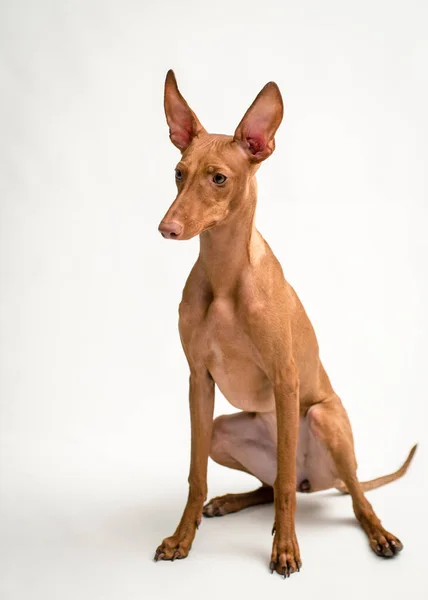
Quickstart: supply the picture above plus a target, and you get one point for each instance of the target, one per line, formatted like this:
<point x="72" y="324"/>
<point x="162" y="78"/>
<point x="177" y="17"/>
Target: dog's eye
<point x="178" y="174"/>
<point x="219" y="178"/>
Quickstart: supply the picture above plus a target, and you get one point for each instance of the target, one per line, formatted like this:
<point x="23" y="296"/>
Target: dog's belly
<point x="251" y="439"/>
<point x="315" y="470"/>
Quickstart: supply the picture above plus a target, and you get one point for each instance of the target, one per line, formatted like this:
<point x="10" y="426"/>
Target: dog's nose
<point x="171" y="230"/>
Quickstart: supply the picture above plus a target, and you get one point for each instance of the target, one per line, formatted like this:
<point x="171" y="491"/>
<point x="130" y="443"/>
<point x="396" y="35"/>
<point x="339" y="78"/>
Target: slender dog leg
<point x="201" y="417"/>
<point x="285" y="558"/>
<point x="329" y="423"/>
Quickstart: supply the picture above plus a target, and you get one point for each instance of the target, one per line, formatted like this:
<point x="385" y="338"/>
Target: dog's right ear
<point x="183" y="123"/>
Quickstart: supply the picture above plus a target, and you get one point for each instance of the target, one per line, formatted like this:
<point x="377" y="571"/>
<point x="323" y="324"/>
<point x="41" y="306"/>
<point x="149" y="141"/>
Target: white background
<point x="94" y="416"/>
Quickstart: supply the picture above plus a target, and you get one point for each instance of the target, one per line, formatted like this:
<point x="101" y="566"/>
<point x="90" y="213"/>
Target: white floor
<point x="87" y="529"/>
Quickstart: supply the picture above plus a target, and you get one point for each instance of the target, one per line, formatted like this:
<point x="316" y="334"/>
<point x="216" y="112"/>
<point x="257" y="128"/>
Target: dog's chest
<point x="224" y="339"/>
<point x="232" y="360"/>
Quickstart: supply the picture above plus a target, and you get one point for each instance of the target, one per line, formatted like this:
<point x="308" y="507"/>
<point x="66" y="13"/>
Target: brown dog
<point x="243" y="328"/>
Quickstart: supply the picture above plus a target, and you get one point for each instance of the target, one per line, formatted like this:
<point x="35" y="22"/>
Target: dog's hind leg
<point x="329" y="423"/>
<point x="246" y="442"/>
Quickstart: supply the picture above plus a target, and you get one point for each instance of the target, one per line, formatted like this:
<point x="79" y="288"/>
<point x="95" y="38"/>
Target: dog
<point x="244" y="329"/>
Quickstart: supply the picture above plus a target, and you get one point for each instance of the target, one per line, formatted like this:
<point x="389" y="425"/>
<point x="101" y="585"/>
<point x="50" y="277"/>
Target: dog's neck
<point x="229" y="248"/>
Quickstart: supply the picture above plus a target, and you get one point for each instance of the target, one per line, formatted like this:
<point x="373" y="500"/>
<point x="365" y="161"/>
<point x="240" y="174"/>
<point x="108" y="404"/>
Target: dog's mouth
<point x="176" y="231"/>
<point x="208" y="227"/>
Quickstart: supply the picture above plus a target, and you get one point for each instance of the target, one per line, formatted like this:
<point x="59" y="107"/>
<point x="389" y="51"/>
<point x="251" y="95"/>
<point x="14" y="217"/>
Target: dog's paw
<point x="285" y="558"/>
<point x="216" y="507"/>
<point x="222" y="505"/>
<point x="384" y="543"/>
<point x="172" y="548"/>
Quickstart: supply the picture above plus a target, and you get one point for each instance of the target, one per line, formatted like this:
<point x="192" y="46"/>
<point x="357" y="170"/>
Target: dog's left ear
<point x="183" y="123"/>
<point x="255" y="133"/>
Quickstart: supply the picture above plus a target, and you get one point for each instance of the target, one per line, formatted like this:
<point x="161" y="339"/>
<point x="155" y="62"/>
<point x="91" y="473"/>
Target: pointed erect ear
<point x="182" y="121"/>
<point x="255" y="133"/>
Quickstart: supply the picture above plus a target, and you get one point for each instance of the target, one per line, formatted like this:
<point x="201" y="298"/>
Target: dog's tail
<point x="379" y="481"/>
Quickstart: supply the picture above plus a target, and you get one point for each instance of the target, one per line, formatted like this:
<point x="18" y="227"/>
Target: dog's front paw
<point x="172" y="548"/>
<point x="285" y="558"/>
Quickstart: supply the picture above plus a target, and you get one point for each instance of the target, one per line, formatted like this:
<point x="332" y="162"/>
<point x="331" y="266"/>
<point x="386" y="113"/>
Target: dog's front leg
<point x="285" y="551"/>
<point x="201" y="398"/>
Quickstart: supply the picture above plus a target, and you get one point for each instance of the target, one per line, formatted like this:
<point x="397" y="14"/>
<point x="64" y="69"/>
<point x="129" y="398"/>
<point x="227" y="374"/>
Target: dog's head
<point x="214" y="171"/>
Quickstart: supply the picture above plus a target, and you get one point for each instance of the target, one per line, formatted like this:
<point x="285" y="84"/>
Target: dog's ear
<point x="255" y="133"/>
<point x="182" y="121"/>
